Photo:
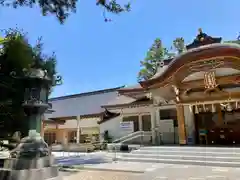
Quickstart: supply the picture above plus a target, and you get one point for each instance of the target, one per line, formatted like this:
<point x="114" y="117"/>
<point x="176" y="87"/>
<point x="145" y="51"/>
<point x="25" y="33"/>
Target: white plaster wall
<point x="49" y="126"/>
<point x="69" y="124"/>
<point x="113" y="128"/>
<point x="89" y="122"/>
<point x="84" y="123"/>
<point x="190" y="126"/>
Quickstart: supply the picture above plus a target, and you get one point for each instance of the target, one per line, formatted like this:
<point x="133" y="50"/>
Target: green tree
<point x="62" y="8"/>
<point x="155" y="57"/>
<point x="16" y="57"/>
<point x="178" y="47"/>
<point x="113" y="7"/>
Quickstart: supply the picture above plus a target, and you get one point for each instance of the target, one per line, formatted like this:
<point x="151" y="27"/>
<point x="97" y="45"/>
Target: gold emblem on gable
<point x="210" y="80"/>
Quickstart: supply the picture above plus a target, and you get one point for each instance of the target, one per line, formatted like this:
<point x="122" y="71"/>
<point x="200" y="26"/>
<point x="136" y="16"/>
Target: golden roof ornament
<point x="203" y="39"/>
<point x="200" y="34"/>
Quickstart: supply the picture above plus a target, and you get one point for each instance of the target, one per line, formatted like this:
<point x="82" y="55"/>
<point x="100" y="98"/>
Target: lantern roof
<point x="37" y="74"/>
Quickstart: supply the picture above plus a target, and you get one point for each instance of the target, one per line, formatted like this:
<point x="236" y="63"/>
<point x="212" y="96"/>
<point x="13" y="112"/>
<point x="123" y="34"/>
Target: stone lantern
<point x="37" y="85"/>
<point x="31" y="159"/>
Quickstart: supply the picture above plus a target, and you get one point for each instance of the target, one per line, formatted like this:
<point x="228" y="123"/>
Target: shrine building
<point x="194" y="98"/>
<point x="203" y="83"/>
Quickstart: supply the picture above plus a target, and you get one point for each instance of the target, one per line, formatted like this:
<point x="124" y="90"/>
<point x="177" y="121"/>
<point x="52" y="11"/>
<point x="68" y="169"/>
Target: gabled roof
<point x="81" y="104"/>
<point x="119" y="100"/>
<point x="85" y="94"/>
<point x="107" y="115"/>
<point x="122" y="101"/>
<point x="193" y="55"/>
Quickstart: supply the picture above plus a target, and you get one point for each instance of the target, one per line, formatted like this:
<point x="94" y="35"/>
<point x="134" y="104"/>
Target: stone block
<point x="46" y="173"/>
<point x="5" y="174"/>
<point x="20" y="164"/>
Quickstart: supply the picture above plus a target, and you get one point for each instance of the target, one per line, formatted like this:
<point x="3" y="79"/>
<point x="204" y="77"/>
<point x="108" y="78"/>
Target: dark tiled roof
<point x="107" y="115"/>
<point x="86" y="94"/>
<point x="119" y="100"/>
<point x="122" y="101"/>
<point x="81" y="104"/>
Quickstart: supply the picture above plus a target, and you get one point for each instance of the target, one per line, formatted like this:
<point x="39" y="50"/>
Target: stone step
<point x="181" y="161"/>
<point x="183" y="157"/>
<point x="190" y="148"/>
<point x="30" y="174"/>
<point x="187" y="152"/>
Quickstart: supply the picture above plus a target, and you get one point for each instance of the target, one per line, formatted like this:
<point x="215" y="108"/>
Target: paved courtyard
<point x="101" y="175"/>
<point x="163" y="172"/>
<point x="190" y="172"/>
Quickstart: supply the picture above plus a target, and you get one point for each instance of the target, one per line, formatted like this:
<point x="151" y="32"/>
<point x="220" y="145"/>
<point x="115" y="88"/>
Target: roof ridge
<point x="101" y="91"/>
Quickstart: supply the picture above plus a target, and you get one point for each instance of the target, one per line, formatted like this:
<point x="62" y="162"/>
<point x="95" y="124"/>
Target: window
<point x="83" y="138"/>
<point x="72" y="136"/>
<point x="169" y="114"/>
<point x="135" y="121"/>
<point x="50" y="137"/>
<point x="146" y="122"/>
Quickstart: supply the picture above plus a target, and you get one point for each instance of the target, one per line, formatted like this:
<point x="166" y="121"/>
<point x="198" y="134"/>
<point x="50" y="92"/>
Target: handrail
<point x="140" y="135"/>
<point x="129" y="135"/>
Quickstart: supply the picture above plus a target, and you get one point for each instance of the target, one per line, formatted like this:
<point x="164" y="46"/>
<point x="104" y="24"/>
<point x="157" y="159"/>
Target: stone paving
<point x="125" y="166"/>
<point x="190" y="172"/>
<point x="101" y="175"/>
<point x="163" y="172"/>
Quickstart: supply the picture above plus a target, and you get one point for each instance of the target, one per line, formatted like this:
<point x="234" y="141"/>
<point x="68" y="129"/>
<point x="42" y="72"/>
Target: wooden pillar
<point x="181" y="125"/>
<point x="153" y="125"/>
<point x="78" y="129"/>
<point x="220" y="116"/>
<point x="140" y="122"/>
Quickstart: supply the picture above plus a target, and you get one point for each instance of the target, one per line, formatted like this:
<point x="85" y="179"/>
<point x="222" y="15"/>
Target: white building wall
<point x="113" y="128"/>
<point x="69" y="124"/>
<point x="166" y="128"/>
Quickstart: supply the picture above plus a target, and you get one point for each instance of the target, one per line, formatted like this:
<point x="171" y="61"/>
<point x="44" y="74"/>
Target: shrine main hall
<point x="204" y="84"/>
<point x="194" y="98"/>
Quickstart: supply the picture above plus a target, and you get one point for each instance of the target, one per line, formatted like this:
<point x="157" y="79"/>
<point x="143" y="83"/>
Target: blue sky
<point x="95" y="55"/>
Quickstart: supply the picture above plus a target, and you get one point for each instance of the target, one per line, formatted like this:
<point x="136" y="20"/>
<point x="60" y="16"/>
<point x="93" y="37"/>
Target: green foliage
<point x="113" y="7"/>
<point x="179" y="45"/>
<point x="155" y="55"/>
<point x="107" y="138"/>
<point x="17" y="56"/>
<point x="62" y="8"/>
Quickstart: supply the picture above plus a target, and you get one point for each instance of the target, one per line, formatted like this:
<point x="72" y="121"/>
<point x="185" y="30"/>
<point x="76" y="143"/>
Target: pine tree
<point x="156" y="55"/>
<point x="154" y="58"/>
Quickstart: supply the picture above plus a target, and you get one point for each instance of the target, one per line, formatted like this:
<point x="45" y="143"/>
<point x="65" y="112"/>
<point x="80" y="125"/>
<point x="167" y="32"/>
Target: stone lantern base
<point x="30" y="162"/>
<point x="37" y="169"/>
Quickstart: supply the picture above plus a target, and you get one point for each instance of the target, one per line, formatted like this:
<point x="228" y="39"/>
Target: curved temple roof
<point x="194" y="55"/>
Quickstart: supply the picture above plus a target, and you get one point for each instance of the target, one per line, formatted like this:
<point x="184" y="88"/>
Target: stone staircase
<point x="206" y="156"/>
